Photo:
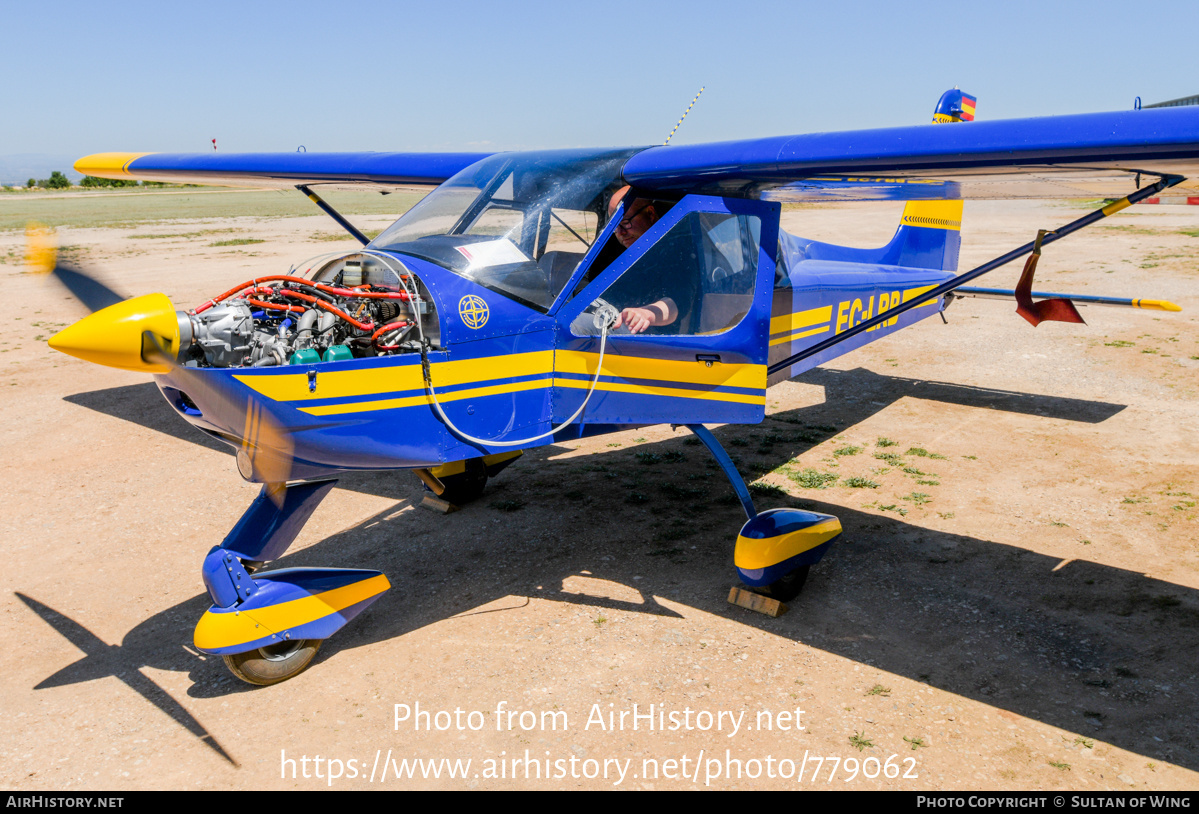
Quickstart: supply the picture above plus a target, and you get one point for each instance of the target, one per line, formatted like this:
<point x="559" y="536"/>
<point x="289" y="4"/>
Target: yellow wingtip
<point x="1158" y="305"/>
<point x="107" y="165"/>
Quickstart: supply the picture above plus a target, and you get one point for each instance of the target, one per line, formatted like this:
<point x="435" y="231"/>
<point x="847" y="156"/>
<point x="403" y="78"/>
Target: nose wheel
<point x="274" y="663"/>
<point x="788" y="587"/>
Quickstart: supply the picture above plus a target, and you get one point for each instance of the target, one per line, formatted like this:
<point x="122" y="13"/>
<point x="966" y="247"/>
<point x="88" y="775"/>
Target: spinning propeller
<point x="146" y="334"/>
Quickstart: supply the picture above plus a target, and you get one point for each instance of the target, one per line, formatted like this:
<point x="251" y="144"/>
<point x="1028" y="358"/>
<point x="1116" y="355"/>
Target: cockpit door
<point x="713" y="260"/>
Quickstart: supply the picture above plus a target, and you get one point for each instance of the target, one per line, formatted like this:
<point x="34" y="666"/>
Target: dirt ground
<point x="1015" y="605"/>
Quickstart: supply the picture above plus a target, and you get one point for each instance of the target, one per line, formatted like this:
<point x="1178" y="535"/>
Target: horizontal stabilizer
<point x="1077" y="299"/>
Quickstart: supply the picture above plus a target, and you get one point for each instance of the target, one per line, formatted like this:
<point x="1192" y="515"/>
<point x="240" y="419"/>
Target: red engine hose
<point x="328" y="289"/>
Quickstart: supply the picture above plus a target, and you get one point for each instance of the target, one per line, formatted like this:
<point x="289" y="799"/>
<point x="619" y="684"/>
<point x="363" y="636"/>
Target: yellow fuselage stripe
<point x="800" y="319"/>
<point x="800" y="335"/>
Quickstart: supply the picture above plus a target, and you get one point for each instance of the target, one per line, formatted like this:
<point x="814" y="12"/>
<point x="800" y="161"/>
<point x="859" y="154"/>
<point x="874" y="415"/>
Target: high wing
<point x="280" y="170"/>
<point x="1093" y="154"/>
<point x="1088" y="155"/>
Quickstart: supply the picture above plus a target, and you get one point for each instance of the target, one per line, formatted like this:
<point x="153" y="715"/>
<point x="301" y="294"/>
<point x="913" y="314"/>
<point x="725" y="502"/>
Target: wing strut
<point x="333" y="213"/>
<point x="949" y="285"/>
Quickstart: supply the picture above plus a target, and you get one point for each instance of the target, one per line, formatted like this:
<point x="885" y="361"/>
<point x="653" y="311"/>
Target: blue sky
<point x="265" y="76"/>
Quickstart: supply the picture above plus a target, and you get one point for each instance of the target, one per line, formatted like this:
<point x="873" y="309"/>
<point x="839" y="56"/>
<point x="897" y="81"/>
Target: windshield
<point x="516" y="223"/>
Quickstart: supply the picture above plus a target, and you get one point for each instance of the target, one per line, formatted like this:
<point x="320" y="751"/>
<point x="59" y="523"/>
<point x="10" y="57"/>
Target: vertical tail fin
<point x="929" y="234"/>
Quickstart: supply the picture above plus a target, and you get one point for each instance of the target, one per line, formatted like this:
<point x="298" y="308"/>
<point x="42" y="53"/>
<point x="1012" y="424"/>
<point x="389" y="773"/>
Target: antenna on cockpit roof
<point x="685" y="112"/>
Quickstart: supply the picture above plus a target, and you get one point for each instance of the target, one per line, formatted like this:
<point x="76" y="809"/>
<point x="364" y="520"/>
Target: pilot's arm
<point x="661" y="312"/>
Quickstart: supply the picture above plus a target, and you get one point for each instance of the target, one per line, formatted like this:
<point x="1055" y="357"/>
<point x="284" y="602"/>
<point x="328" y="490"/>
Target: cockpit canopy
<point x="516" y="223"/>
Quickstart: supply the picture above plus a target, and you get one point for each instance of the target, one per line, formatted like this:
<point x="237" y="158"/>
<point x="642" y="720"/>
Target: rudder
<point x="929" y="233"/>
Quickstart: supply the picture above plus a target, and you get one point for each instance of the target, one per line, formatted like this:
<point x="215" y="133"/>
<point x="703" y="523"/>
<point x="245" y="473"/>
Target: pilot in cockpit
<point x="640" y="215"/>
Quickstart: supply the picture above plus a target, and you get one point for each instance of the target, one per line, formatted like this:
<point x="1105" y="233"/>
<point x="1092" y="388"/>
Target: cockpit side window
<point x="697" y="279"/>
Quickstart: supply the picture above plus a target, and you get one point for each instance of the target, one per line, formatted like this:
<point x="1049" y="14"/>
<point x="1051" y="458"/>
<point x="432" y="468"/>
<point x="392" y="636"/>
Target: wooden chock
<point x="756" y="602"/>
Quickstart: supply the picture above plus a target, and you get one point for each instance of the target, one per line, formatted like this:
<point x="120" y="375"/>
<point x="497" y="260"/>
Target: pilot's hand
<point x="636" y="319"/>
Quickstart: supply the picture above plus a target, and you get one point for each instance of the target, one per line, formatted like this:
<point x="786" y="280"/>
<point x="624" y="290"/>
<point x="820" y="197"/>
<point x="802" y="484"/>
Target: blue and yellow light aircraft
<point x="545" y="296"/>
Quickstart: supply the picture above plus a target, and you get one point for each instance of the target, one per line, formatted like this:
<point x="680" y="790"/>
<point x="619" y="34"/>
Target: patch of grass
<point x="767" y="489"/>
<point x="649" y="458"/>
<point x="613" y="445"/>
<point x="638" y="440"/>
<point x="1065" y="767"/>
<point x="673" y="457"/>
<point x="598" y="621"/>
<point x="879" y="689"/>
<point x="330" y="236"/>
<point x="970" y="457"/>
<point x="843" y="451"/>
<point x="1119" y="343"/>
<point x="508" y="505"/>
<point x="1086" y="742"/>
<point x="238" y="241"/>
<point x="1189" y="232"/>
<point x="812" y="479"/>
<point x="919" y="498"/>
<point x="857" y="482"/>
<point x="1135" y="500"/>
<point x="891" y="507"/>
<point x="886" y="442"/>
<point x="859" y="741"/>
<point x="1058" y="523"/>
<point x="1132" y="230"/>
<point x="945" y="515"/>
<point x="890" y="457"/>
<point x="915" y="742"/>
<point x="921" y="452"/>
<point x="928" y="482"/>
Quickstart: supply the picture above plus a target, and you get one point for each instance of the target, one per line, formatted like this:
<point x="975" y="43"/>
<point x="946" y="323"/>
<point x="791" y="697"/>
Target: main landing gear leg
<point x="775" y="549"/>
<point x="268" y="627"/>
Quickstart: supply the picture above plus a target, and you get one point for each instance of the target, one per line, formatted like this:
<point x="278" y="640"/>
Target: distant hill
<point x="18" y="168"/>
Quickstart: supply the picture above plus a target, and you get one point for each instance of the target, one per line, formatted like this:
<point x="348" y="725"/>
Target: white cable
<point x="604" y="325"/>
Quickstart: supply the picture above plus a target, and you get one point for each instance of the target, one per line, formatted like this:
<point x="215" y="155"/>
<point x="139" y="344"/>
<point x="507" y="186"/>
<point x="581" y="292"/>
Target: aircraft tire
<point x="788" y="587"/>
<point x="466" y="486"/>
<point x="278" y="662"/>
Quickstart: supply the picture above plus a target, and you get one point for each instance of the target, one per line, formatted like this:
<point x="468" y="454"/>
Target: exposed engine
<point x="349" y="308"/>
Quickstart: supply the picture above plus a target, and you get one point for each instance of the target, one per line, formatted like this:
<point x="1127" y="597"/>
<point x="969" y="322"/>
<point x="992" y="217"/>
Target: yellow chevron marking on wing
<point x="800" y="319"/>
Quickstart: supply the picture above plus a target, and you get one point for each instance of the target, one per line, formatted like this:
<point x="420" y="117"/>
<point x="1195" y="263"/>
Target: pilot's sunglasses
<point x="626" y="222"/>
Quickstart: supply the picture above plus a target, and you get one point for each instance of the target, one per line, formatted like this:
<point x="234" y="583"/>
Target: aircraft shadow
<point x="1064" y="644"/>
<point x="850" y="398"/>
<point x="991" y="622"/>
